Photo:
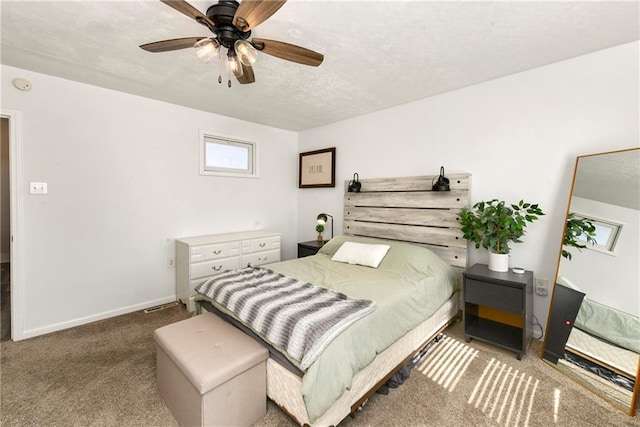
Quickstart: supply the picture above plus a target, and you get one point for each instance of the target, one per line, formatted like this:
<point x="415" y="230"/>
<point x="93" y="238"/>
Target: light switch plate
<point x="38" y="188"/>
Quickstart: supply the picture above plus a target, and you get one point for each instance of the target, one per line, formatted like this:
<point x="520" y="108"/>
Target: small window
<point x="606" y="235"/>
<point x="227" y="157"/>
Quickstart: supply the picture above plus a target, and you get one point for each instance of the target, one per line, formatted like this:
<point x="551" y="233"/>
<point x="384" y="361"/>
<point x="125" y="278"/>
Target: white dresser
<point x="198" y="258"/>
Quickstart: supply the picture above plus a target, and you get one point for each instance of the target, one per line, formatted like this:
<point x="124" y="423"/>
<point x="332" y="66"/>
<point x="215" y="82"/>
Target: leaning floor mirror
<point x="593" y="329"/>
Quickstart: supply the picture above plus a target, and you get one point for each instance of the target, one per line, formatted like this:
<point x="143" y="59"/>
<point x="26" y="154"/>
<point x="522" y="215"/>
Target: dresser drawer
<point x="211" y="268"/>
<point x="502" y="297"/>
<point x="193" y="284"/>
<point x="214" y="251"/>
<point x="260" y="244"/>
<point x="199" y="258"/>
<point x="260" y="258"/>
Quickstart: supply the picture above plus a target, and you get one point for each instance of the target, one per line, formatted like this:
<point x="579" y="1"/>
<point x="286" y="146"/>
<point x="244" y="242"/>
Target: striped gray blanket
<point x="299" y="318"/>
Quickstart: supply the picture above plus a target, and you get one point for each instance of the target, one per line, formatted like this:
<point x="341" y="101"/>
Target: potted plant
<point x="494" y="224"/>
<point x="320" y="230"/>
<point x="578" y="227"/>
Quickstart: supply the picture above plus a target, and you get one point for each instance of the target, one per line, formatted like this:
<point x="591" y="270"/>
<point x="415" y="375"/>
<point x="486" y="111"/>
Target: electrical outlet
<point x="38" y="188"/>
<point x="171" y="262"/>
<point x="541" y="286"/>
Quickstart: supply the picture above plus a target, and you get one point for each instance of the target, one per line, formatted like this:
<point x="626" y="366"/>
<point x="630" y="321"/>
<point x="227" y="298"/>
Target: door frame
<point x="16" y="248"/>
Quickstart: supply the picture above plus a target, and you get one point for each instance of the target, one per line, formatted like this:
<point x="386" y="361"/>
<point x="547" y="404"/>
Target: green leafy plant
<point x="319" y="228"/>
<point x="578" y="227"/>
<point x="493" y="224"/>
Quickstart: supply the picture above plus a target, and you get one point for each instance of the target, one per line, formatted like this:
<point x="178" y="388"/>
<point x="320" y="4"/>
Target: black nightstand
<point x="498" y="307"/>
<point x="309" y="248"/>
<point x="566" y="304"/>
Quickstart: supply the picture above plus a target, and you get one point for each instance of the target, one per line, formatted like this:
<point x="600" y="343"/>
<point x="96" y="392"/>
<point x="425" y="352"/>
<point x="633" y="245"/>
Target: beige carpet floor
<point x="103" y="374"/>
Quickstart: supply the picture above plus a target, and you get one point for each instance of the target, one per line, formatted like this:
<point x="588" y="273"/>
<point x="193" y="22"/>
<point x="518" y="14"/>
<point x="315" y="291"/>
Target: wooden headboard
<point x="406" y="209"/>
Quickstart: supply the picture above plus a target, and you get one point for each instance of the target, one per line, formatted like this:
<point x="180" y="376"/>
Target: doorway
<point x="5" y="232"/>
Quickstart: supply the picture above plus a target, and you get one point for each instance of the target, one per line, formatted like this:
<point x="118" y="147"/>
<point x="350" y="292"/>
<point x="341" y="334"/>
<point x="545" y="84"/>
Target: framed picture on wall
<point x="317" y="168"/>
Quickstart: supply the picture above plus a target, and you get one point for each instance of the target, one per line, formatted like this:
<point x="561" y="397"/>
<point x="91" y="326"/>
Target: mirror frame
<point x="636" y="389"/>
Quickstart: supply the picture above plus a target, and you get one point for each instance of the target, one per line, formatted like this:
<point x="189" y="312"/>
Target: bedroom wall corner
<point x="123" y="181"/>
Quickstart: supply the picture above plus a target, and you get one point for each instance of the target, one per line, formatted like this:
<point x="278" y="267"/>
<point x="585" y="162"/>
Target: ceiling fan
<point x="231" y="24"/>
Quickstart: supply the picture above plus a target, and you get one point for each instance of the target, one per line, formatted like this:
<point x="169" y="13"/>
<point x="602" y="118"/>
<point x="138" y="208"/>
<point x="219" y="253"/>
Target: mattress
<point x="285" y="388"/>
<point x="613" y="325"/>
<point x="410" y="285"/>
<point x="614" y="357"/>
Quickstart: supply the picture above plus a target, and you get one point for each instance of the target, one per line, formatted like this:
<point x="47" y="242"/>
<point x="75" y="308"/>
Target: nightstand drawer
<point x="498" y="307"/>
<point x="304" y="251"/>
<point x="502" y="297"/>
<point x="309" y="248"/>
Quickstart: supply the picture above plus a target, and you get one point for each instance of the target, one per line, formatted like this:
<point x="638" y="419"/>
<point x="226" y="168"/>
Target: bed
<point x="605" y="335"/>
<point x="608" y="336"/>
<point x="414" y="289"/>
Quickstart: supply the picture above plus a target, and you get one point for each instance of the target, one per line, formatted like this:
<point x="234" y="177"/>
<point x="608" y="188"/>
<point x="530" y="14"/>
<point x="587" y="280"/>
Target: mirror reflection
<point x="593" y="330"/>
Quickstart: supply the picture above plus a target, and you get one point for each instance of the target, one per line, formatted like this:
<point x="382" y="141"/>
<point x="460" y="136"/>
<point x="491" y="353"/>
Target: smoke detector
<point x="22" y="84"/>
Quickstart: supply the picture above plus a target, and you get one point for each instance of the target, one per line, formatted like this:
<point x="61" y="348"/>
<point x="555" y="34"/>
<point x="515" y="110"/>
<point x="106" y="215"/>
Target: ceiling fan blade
<point x="288" y="51"/>
<point x="185" y="8"/>
<point x="247" y="75"/>
<point x="173" y="44"/>
<point x="252" y="13"/>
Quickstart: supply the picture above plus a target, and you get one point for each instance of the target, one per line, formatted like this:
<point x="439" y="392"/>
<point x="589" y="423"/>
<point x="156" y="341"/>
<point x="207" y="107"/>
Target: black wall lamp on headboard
<point x="443" y="182"/>
<point x="354" y="185"/>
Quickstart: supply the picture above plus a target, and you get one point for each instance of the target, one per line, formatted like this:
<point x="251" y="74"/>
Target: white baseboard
<point x="31" y="333"/>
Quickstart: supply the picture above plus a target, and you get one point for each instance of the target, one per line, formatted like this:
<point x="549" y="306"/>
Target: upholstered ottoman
<point x="210" y="373"/>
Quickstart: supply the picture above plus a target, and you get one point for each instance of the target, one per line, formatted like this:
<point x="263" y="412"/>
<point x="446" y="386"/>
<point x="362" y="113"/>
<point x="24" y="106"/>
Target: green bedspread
<point x="410" y="284"/>
<point x="609" y="324"/>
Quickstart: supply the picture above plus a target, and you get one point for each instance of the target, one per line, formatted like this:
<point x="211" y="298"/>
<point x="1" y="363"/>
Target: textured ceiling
<point x="612" y="178"/>
<point x="377" y="53"/>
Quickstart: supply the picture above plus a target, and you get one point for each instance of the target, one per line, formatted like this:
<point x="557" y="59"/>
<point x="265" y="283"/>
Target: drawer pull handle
<point x="262" y="245"/>
<point x="217" y="251"/>
<point x="213" y="267"/>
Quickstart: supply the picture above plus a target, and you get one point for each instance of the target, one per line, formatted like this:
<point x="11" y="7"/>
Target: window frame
<point x="608" y="247"/>
<point x="250" y="172"/>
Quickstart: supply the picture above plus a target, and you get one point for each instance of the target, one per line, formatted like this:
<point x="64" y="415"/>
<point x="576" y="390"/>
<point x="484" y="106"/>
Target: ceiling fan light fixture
<point x="235" y="67"/>
<point x="246" y="52"/>
<point x="231" y="23"/>
<point x="206" y="49"/>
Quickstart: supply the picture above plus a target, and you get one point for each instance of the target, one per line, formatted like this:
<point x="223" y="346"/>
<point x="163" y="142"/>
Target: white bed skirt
<point x="285" y="388"/>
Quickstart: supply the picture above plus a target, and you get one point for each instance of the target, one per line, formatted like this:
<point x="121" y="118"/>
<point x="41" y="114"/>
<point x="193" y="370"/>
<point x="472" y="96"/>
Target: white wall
<point x="609" y="279"/>
<point x="518" y="136"/>
<point x="123" y="183"/>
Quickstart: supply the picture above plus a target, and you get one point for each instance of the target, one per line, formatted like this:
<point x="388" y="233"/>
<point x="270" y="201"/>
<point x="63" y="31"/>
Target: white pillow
<point x="361" y="253"/>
